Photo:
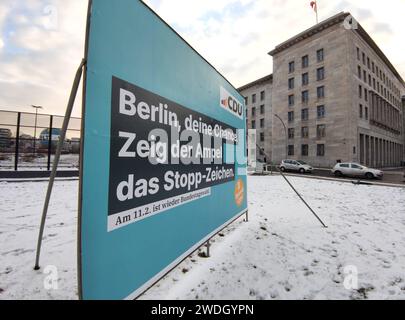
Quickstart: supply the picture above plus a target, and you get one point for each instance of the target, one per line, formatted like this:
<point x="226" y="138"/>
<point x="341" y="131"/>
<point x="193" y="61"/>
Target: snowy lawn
<point x="281" y="253"/>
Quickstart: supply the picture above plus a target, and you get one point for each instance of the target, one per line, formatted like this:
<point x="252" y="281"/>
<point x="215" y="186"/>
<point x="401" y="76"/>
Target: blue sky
<point x="41" y="41"/>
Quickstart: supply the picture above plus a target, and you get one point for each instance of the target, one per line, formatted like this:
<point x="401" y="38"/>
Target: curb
<point x="355" y="182"/>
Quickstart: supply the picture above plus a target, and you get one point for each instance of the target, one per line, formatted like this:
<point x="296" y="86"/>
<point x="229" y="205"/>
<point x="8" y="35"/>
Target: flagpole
<point x="316" y="11"/>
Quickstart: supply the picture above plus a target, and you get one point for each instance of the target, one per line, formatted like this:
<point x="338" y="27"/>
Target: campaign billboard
<point x="164" y="159"/>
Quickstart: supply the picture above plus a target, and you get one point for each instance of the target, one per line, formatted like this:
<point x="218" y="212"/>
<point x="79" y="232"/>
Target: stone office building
<point x="338" y="95"/>
<point x="259" y="113"/>
<point x="403" y="126"/>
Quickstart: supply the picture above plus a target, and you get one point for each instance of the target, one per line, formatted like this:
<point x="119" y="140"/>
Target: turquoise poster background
<point x="129" y="41"/>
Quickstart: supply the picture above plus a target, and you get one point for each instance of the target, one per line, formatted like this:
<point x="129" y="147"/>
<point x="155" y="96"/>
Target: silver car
<point x="295" y="165"/>
<point x="356" y="170"/>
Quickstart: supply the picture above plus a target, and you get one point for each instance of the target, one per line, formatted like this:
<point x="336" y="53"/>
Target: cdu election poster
<point x="164" y="157"/>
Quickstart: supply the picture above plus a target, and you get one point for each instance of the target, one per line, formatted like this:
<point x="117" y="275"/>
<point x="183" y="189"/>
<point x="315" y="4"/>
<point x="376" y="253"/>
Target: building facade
<point x="258" y="95"/>
<point x="339" y="97"/>
<point x="403" y="126"/>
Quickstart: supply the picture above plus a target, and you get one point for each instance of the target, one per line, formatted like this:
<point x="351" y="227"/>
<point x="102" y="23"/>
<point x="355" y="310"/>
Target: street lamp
<point x="286" y="137"/>
<point x="35" y="127"/>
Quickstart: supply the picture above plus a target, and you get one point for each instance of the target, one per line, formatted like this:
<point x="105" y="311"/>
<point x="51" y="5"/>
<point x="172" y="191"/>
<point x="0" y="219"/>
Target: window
<point x="320" y="91"/>
<point x="304" y="132"/>
<point x="246" y="100"/>
<point x="360" y="91"/>
<point x="262" y="109"/>
<point x="291" y="116"/>
<point x="304" y="150"/>
<point x="359" y="72"/>
<point x="291" y="133"/>
<point x="305" y="79"/>
<point x="365" y="94"/>
<point x="320" y="74"/>
<point x="364" y="75"/>
<point x="262" y="136"/>
<point x="366" y="113"/>
<point x="355" y="166"/>
<point x="320" y="111"/>
<point x="262" y="96"/>
<point x="319" y="55"/>
<point x="320" y="150"/>
<point x="368" y="62"/>
<point x="291" y="100"/>
<point x="364" y="58"/>
<point x="305" y="62"/>
<point x="254" y="98"/>
<point x="291" y="67"/>
<point x="261" y="123"/>
<point x="358" y="53"/>
<point x="253" y="111"/>
<point x="291" y="83"/>
<point x="304" y="96"/>
<point x="291" y="150"/>
<point x="320" y="131"/>
<point x="253" y="124"/>
<point x="361" y="111"/>
<point x="304" y="114"/>
<point x="373" y="67"/>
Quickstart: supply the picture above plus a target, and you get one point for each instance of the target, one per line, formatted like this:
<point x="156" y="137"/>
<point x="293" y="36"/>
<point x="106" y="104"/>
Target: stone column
<point x="372" y="149"/>
<point x="361" y="149"/>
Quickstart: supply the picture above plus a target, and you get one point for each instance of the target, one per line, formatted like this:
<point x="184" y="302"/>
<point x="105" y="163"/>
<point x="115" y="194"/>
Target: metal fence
<point x="28" y="141"/>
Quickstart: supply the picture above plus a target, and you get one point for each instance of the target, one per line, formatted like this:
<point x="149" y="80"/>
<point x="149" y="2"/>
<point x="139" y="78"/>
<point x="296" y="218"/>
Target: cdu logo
<point x="228" y="102"/>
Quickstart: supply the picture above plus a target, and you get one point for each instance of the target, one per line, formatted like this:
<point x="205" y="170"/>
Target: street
<point x="390" y="176"/>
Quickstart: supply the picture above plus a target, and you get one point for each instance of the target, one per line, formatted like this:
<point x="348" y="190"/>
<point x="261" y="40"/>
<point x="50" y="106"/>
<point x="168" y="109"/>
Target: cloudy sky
<point x="41" y="41"/>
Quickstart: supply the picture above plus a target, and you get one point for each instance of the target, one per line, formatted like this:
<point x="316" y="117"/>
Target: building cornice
<point x="268" y="78"/>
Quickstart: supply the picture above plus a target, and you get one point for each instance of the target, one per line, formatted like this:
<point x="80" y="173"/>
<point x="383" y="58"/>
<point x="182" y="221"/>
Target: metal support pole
<point x="68" y="113"/>
<point x="50" y="142"/>
<point x="246" y="216"/>
<point x="17" y="142"/>
<point x="286" y="136"/>
<point x="302" y="199"/>
<point x="208" y="248"/>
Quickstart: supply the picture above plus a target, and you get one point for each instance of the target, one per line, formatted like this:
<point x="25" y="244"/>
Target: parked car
<point x="295" y="165"/>
<point x="356" y="170"/>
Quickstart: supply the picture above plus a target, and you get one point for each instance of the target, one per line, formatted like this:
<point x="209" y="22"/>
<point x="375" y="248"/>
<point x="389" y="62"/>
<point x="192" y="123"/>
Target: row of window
<point x="320" y="150"/>
<point x="371" y="81"/>
<point x="320" y="56"/>
<point x="254" y="123"/>
<point x="320" y="113"/>
<point x="320" y="132"/>
<point x="320" y="75"/>
<point x="254" y="110"/>
<point x="377" y="71"/>
<point x="262" y="97"/>
<point x="320" y="94"/>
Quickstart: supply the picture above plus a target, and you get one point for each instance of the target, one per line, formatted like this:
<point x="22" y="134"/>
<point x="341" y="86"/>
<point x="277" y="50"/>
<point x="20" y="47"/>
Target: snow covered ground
<point x="281" y="253"/>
